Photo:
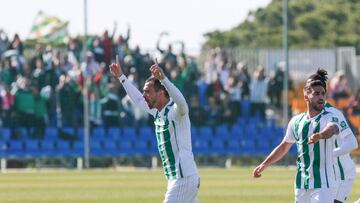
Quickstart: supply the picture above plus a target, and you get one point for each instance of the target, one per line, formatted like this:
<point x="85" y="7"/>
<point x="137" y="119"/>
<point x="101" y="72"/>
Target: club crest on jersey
<point x="334" y="119"/>
<point x="343" y="125"/>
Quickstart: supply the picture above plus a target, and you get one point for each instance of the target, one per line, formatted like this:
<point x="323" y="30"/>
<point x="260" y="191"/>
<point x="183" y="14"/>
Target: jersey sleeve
<point x="135" y="95"/>
<point x="181" y="106"/>
<point x="333" y="119"/>
<point x="290" y="132"/>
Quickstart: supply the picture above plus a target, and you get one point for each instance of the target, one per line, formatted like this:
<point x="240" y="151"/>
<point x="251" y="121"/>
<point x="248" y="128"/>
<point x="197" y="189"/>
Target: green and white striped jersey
<point x="173" y="130"/>
<point x="345" y="168"/>
<point x="314" y="161"/>
<point x="174" y="143"/>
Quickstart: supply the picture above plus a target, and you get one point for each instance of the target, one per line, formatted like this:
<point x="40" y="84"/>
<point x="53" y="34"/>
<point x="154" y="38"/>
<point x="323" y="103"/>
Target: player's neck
<point x="162" y="103"/>
<point x="311" y="113"/>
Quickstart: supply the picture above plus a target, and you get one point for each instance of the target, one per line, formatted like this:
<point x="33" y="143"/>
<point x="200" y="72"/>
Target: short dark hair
<point x="317" y="79"/>
<point x="157" y="85"/>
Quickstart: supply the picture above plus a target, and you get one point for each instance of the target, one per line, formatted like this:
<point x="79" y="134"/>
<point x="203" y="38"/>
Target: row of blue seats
<point x="145" y="132"/>
<point x="105" y="147"/>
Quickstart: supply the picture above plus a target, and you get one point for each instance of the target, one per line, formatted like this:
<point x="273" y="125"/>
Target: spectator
<point x="213" y="111"/>
<point x="197" y="113"/>
<point x="258" y="91"/>
<point x="275" y="87"/>
<point x="244" y="79"/>
<point x="339" y="86"/>
<point x="353" y="108"/>
<point x="17" y="44"/>
<point x="24" y="103"/>
<point x="7" y="105"/>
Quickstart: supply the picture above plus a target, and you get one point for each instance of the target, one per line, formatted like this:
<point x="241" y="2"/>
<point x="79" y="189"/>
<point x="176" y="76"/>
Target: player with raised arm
<point x="313" y="132"/>
<point x="344" y="166"/>
<point x="168" y="106"/>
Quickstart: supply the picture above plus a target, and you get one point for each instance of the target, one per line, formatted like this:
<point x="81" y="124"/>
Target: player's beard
<point x="318" y="105"/>
<point x="149" y="103"/>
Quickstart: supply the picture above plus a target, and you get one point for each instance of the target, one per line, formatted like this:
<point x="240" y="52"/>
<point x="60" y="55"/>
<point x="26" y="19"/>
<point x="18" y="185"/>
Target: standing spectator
<point x="17" y="44"/>
<point x="197" y="112"/>
<point x="107" y="44"/>
<point x="258" y="91"/>
<point x="7" y="105"/>
<point x="40" y="110"/>
<point x="110" y="108"/>
<point x="4" y="42"/>
<point x="234" y="90"/>
<point x="275" y="87"/>
<point x="24" y="103"/>
<point x="121" y="46"/>
<point x="244" y="79"/>
<point x="213" y="111"/>
<point x="339" y="86"/>
<point x="353" y="108"/>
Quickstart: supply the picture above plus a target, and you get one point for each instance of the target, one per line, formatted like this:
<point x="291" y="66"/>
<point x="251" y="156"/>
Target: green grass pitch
<point x="130" y="185"/>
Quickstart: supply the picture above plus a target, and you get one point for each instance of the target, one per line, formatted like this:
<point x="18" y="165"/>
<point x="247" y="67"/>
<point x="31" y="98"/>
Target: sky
<point x="183" y="20"/>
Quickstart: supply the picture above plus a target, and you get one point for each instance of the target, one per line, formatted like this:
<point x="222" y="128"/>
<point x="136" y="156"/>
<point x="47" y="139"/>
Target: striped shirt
<point x="314" y="161"/>
<point x="172" y="127"/>
<point x="345" y="168"/>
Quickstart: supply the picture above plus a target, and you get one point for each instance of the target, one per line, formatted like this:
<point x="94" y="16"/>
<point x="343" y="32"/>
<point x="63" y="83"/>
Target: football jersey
<point x="173" y="130"/>
<point x="314" y="161"/>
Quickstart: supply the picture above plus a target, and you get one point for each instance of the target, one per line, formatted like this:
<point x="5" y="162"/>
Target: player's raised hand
<point x="156" y="71"/>
<point x="115" y="68"/>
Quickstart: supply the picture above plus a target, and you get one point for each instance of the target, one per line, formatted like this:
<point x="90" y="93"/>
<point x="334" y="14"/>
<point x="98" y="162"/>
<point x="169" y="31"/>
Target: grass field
<point x="145" y="186"/>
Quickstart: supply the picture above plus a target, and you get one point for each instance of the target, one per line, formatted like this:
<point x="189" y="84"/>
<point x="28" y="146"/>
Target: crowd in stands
<point x="46" y="86"/>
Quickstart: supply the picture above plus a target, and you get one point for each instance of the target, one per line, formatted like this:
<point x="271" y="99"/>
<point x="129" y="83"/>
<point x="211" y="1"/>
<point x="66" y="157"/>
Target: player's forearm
<point x="176" y="95"/>
<point x="134" y="94"/>
<point x="277" y="154"/>
<point x="349" y="143"/>
<point x="329" y="131"/>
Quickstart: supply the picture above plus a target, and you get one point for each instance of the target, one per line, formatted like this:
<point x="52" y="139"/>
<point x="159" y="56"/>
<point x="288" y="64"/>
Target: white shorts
<point x="183" y="190"/>
<point x="343" y="190"/>
<point x="318" y="195"/>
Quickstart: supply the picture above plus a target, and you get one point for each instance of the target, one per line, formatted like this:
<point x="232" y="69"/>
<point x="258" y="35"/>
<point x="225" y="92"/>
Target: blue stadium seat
<point x="217" y="147"/>
<point x="96" y="148"/>
<point x="3" y="148"/>
<point x="129" y="132"/>
<point x="110" y="148"/>
<point x="233" y="147"/>
<point x="5" y="134"/>
<point x="21" y="133"/>
<point x="78" y="148"/>
<point x="222" y="131"/>
<point x="51" y="133"/>
<point x="98" y="133"/>
<point x="63" y="148"/>
<point x="47" y="148"/>
<point x="126" y="148"/>
<point x="114" y="132"/>
<point x="153" y="148"/>
<point x="15" y="149"/>
<point x="245" y="108"/>
<point x="201" y="147"/>
<point x="146" y="132"/>
<point x="32" y="148"/>
<point x="141" y="148"/>
<point x="202" y="86"/>
<point x="247" y="146"/>
<point x="205" y="132"/>
<point x="236" y="131"/>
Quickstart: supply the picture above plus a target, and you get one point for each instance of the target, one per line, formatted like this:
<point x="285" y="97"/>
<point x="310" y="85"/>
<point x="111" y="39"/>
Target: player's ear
<point x="306" y="97"/>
